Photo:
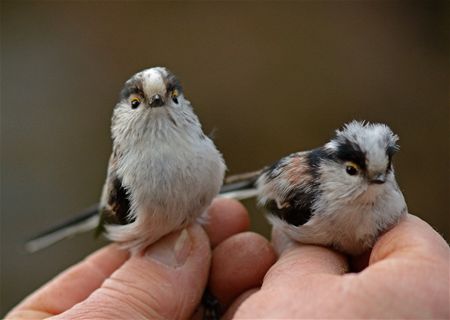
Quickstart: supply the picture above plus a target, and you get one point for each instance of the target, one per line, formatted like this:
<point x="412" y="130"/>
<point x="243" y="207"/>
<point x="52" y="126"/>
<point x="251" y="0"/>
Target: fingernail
<point x="172" y="250"/>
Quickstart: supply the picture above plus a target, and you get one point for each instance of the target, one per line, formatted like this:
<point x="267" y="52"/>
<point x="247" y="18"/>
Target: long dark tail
<point x="238" y="187"/>
<point x="82" y="222"/>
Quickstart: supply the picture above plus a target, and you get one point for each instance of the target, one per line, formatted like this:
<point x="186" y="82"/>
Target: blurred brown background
<point x="268" y="78"/>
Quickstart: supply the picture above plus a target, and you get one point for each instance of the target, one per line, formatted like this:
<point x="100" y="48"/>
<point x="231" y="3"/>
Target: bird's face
<point x="151" y="89"/>
<point x="152" y="98"/>
<point x="362" y="159"/>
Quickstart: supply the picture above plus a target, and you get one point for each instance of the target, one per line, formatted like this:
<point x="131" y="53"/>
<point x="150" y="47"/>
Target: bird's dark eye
<point x="351" y="168"/>
<point x="135" y="102"/>
<point x="175" y="95"/>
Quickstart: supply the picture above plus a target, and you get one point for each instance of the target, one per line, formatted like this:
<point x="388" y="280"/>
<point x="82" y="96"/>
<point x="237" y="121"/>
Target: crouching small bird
<point x="342" y="195"/>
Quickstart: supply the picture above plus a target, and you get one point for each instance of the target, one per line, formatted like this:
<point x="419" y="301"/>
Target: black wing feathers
<point x="118" y="205"/>
<point x="296" y="209"/>
<point x="297" y="206"/>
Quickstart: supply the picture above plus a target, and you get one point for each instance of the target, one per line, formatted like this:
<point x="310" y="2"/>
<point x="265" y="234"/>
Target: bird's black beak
<point x="378" y="178"/>
<point x="156" y="101"/>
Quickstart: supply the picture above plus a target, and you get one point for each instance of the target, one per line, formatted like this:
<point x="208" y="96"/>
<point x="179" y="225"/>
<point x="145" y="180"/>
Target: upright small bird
<point x="163" y="171"/>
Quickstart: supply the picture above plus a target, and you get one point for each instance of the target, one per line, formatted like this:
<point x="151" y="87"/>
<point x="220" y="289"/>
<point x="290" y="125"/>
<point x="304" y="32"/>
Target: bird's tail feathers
<point x="83" y="222"/>
<point x="240" y="186"/>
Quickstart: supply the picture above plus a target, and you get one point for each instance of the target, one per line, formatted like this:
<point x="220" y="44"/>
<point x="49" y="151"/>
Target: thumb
<point x="165" y="281"/>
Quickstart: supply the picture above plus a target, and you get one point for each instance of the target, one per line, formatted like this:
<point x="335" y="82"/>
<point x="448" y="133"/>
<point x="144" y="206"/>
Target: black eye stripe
<point x="348" y="151"/>
<point x="128" y="91"/>
<point x="391" y="150"/>
<point x="173" y="83"/>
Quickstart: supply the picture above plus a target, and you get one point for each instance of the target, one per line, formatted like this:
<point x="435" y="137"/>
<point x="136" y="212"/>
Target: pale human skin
<point x="407" y="277"/>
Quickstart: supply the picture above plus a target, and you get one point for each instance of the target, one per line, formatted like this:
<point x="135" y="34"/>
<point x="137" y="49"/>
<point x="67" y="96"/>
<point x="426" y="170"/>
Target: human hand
<point x="166" y="281"/>
<point x="407" y="277"/>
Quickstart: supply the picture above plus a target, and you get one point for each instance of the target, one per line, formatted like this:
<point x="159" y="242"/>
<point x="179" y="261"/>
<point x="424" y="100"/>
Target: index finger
<point x="298" y="261"/>
<point x="71" y="286"/>
<point x="226" y="217"/>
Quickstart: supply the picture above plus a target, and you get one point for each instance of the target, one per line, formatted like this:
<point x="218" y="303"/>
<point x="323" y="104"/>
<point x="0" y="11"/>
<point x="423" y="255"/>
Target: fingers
<point x="238" y="264"/>
<point x="72" y="286"/>
<point x="225" y="218"/>
<point x="297" y="261"/>
<point x="166" y="281"/>
<point x="240" y="259"/>
<point x="76" y="284"/>
<point x="229" y="314"/>
<point x="409" y="263"/>
<point x="410" y="238"/>
<point x="302" y="273"/>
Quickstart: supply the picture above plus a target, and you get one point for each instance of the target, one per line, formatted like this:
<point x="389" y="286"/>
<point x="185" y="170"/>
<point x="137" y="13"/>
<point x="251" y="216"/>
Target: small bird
<point x="342" y="195"/>
<point x="163" y="171"/>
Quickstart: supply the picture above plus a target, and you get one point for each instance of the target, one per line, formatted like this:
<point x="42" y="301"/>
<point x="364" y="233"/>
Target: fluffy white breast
<point x="172" y="172"/>
<point x="351" y="224"/>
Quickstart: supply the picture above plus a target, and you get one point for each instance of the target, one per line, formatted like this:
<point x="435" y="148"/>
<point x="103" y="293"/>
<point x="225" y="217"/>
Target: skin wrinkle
<point x="141" y="307"/>
<point x="43" y="306"/>
<point x="178" y="299"/>
<point x="109" y="259"/>
<point x="346" y="296"/>
<point x="175" y="297"/>
<point x="72" y="273"/>
<point x="181" y="306"/>
<point x="139" y="294"/>
<point x="200" y="244"/>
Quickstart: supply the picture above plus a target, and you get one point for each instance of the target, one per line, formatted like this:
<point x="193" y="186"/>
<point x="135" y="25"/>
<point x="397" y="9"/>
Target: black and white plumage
<point x="342" y="195"/>
<point x="163" y="172"/>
